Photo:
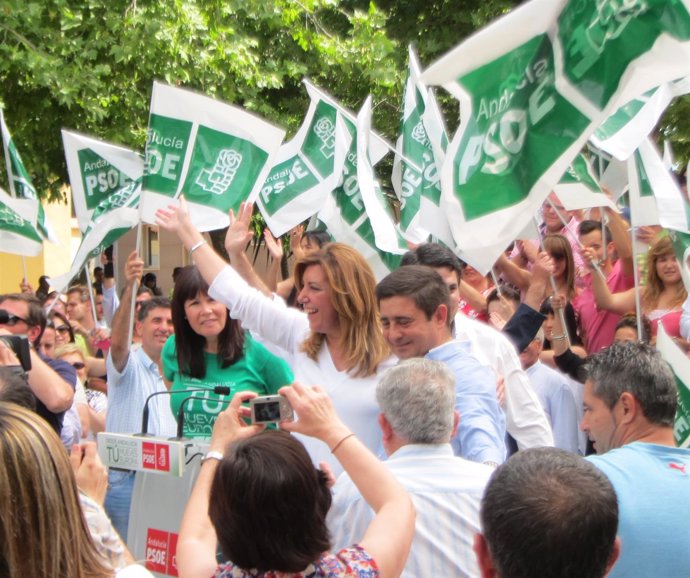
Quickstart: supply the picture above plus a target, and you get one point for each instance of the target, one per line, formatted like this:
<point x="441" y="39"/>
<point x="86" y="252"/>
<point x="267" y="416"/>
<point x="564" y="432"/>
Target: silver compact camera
<point x="270" y="409"/>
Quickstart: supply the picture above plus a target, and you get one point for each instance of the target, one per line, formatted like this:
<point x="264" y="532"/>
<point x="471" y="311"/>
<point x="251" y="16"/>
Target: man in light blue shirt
<point x="417" y="419"/>
<point x="414" y="304"/>
<point x="133" y="375"/>
<point x="630" y="402"/>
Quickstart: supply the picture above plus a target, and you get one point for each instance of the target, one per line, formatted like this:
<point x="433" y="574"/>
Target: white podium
<point x="166" y="472"/>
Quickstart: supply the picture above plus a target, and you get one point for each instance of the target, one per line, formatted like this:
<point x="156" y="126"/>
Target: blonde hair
<point x="69" y="349"/>
<point x="43" y="533"/>
<point x="655" y="285"/>
<point x="352" y="289"/>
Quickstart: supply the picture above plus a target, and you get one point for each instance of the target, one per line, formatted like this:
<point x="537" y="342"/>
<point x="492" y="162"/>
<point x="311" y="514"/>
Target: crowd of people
<point x="447" y="423"/>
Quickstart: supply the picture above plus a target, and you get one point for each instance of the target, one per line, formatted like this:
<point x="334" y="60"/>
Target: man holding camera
<point x="52" y="381"/>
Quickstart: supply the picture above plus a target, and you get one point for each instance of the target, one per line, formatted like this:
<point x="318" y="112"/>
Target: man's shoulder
<point x="640" y="455"/>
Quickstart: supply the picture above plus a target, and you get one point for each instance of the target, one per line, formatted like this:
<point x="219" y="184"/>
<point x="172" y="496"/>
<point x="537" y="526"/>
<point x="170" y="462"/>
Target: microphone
<point x="218" y="390"/>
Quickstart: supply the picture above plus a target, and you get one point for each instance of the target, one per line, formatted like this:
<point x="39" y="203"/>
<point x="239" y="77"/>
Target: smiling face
<point x="668" y="269"/>
<point x="315" y="298"/>
<point x="77" y="361"/>
<point x="154" y="330"/>
<point x="406" y="328"/>
<point x="205" y="315"/>
<point x="599" y="422"/>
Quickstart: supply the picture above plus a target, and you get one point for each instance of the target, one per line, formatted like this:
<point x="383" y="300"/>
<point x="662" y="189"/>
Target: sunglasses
<point x="78" y="365"/>
<point x="11" y="320"/>
<point x="558" y="256"/>
<point x="62" y="329"/>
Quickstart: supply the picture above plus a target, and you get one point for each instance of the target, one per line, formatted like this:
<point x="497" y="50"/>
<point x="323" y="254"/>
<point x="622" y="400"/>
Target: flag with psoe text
<point x="18" y="234"/>
<point x="97" y="170"/>
<point x="304" y="171"/>
<point x="345" y="213"/>
<point x="114" y="216"/>
<point x="216" y="154"/>
<point x="20" y="183"/>
<point x="533" y="87"/>
<point x="416" y="176"/>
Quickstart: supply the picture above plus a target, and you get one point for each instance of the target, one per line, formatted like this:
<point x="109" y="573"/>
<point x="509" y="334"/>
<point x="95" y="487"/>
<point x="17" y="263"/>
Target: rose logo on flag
<point x="218" y="179"/>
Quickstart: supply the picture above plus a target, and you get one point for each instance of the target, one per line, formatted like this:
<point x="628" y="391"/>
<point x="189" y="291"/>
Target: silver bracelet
<point x="196" y="246"/>
<point x="212" y="455"/>
<point x="557" y="337"/>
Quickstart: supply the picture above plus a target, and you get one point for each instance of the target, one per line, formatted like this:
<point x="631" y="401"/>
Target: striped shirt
<point x="446" y="491"/>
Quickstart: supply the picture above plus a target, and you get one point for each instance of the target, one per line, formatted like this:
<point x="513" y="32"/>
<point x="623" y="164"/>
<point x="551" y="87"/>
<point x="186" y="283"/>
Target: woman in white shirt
<point x="335" y="341"/>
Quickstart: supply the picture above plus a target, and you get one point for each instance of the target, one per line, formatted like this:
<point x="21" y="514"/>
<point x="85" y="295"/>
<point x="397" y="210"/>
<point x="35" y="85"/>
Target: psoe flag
<point x="680" y="365"/>
<point x="97" y="169"/>
<point x="17" y="233"/>
<point x="216" y="154"/>
<point x="533" y="87"/>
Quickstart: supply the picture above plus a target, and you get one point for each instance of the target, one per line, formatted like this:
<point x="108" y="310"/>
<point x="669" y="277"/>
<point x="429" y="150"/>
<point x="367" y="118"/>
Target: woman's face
<point x="471" y="276"/>
<point x="315" y="298"/>
<point x="308" y="246"/>
<point x="560" y="263"/>
<point x="76" y="361"/>
<point x="206" y="316"/>
<point x="61" y="332"/>
<point x="668" y="269"/>
<point x="624" y="334"/>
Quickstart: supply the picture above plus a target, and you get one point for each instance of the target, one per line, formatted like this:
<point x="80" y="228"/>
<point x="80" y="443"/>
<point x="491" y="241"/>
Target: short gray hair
<point x="417" y="397"/>
<point x="636" y="368"/>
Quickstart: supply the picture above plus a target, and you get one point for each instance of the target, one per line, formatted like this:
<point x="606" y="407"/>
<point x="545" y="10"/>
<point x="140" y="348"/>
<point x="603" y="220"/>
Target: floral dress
<point x="352" y="562"/>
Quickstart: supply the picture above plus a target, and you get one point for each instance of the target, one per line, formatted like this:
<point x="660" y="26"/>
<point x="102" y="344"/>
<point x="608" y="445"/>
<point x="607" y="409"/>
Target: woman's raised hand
<point x="176" y="219"/>
<point x="274" y="246"/>
<point x="238" y="234"/>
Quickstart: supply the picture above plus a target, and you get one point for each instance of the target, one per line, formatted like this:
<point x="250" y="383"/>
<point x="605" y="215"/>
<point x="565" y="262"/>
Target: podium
<point x="166" y="470"/>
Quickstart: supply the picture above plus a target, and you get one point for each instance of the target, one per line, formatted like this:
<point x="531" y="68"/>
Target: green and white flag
<point x="579" y="188"/>
<point x="655" y="197"/>
<point x="344" y="212"/>
<point x="17" y="232"/>
<point x="623" y="131"/>
<point x="533" y="87"/>
<point x="216" y="154"/>
<point x="681" y="247"/>
<point x="417" y="184"/>
<point x="20" y="183"/>
<point x="680" y="365"/>
<point x="304" y="172"/>
<point x="97" y="170"/>
<point x="114" y="216"/>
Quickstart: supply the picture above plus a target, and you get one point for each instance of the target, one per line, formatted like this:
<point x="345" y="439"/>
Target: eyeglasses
<point x="78" y="365"/>
<point x="7" y="318"/>
<point x="62" y="329"/>
<point x="558" y="256"/>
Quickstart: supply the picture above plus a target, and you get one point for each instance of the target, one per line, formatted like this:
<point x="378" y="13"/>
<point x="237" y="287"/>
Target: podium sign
<point x="145" y="454"/>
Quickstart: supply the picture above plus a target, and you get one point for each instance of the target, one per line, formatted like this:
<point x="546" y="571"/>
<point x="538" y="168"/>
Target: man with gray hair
<point x="630" y="401"/>
<point x="418" y="419"/>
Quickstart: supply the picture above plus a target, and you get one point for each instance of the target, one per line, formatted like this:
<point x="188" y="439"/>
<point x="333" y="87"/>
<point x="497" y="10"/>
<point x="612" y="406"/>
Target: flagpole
<point x="561" y="312"/>
<point x="135" y="287"/>
<point x="91" y="295"/>
<point x="495" y="278"/>
<point x="634" y="183"/>
<point x="24" y="269"/>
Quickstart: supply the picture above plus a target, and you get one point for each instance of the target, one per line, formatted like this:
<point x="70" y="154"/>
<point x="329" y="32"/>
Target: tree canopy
<point x="89" y="65"/>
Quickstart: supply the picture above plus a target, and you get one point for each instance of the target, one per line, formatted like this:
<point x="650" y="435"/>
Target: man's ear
<point x="615" y="553"/>
<point x="629" y="407"/>
<point x="481" y="551"/>
<point x="441" y="314"/>
<point x="456" y="423"/>
<point x="386" y="428"/>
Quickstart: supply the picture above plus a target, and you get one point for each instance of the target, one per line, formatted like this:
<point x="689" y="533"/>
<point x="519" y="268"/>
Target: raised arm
<point x="275" y="249"/>
<point x="621" y="240"/>
<point x="389" y="536"/>
<point x="512" y="273"/>
<point x="196" y="547"/>
<point x="119" y="336"/>
<point x="615" y="302"/>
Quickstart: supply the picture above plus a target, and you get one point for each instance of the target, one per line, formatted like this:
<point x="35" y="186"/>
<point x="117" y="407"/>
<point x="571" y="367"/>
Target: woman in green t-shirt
<point x="211" y="349"/>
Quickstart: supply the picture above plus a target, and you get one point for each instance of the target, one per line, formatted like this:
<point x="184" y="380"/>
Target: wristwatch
<point x="212" y="455"/>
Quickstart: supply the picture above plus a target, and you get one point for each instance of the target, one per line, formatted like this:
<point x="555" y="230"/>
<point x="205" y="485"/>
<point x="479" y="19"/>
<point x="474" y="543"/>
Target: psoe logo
<point x="324" y="129"/>
<point x="218" y="179"/>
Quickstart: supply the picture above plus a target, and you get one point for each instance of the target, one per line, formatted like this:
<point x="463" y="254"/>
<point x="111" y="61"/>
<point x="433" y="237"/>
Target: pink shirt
<point x="597" y="327"/>
<point x="669" y="318"/>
